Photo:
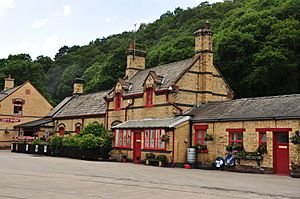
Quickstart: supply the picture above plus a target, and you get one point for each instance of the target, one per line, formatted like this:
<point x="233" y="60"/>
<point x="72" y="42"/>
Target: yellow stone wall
<point x="251" y="139"/>
<point x="70" y="124"/>
<point x="35" y="107"/>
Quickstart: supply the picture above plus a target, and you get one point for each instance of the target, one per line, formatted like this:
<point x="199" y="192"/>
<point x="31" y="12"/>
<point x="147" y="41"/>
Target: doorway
<point x="137" y="147"/>
<point x="281" y="153"/>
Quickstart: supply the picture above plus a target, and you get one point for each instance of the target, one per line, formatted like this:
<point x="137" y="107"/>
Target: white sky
<point x="41" y="27"/>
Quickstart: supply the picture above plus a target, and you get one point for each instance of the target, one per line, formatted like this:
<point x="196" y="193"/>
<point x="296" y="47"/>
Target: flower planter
<point x="295" y="174"/>
<point x="13" y="147"/>
<point x="90" y="154"/>
<point x="21" y="148"/>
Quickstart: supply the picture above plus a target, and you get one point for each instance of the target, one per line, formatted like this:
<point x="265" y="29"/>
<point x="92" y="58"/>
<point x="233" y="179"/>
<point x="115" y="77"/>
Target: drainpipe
<point x="191" y="132"/>
<point x="173" y="148"/>
<point x="173" y="104"/>
<point x="129" y="104"/>
<point x="106" y="114"/>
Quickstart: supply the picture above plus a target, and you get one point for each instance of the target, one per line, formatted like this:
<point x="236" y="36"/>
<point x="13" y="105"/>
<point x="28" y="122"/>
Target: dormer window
<point x="18" y="107"/>
<point x="149" y="97"/>
<point x="118" y="101"/>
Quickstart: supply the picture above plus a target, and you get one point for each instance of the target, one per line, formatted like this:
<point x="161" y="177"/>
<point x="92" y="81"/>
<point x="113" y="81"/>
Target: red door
<point x="281" y="152"/>
<point x="137" y="147"/>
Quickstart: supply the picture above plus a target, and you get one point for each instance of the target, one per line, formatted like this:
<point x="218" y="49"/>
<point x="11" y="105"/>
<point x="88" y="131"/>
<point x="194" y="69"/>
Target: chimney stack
<point x="78" y="86"/>
<point x="9" y="82"/>
<point x="203" y="40"/>
<point x="135" y="61"/>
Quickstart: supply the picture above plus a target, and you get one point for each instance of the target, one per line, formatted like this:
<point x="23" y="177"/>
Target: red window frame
<point x="156" y="139"/>
<point x="118" y="101"/>
<point x="200" y="129"/>
<point x="236" y="132"/>
<point x="61" y="130"/>
<point x="261" y="141"/>
<point x="149" y="97"/>
<point x="77" y="129"/>
<point x="119" y="136"/>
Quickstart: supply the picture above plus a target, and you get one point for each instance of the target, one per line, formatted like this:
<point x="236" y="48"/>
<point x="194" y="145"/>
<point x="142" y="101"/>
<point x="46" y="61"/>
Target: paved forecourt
<point x="31" y="176"/>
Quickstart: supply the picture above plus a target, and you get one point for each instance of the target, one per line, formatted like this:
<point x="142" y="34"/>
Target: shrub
<point x="90" y="141"/>
<point x="162" y="158"/>
<point x="36" y="141"/>
<point x="94" y="129"/>
<point x="72" y="141"/>
<point x="55" y="143"/>
<point x="150" y="156"/>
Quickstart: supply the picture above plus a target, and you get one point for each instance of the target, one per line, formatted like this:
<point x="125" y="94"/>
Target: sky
<point x="41" y="27"/>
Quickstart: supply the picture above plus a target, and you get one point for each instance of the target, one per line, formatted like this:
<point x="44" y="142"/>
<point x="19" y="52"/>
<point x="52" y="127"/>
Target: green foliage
<point x="71" y="141"/>
<point x="36" y="141"/>
<point x="94" y="129"/>
<point x="295" y="139"/>
<point x="55" y="143"/>
<point x="162" y="158"/>
<point x="150" y="156"/>
<point x="89" y="141"/>
<point x="256" y="48"/>
<point x="200" y="147"/>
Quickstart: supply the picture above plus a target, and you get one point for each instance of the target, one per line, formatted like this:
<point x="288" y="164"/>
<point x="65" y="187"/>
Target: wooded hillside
<point x="256" y="46"/>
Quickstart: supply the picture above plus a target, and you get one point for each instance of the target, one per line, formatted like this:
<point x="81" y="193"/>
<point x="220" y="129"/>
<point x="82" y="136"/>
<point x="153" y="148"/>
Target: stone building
<point x="154" y="96"/>
<point x="19" y="104"/>
<point x="249" y="123"/>
<point x="74" y="112"/>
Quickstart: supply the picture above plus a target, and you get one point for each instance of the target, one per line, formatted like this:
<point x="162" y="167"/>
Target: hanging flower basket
<point x="165" y="138"/>
<point x="295" y="139"/>
<point x="208" y="137"/>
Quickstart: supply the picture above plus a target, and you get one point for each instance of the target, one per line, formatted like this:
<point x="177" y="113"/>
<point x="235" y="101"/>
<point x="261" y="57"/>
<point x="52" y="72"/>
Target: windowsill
<point x="155" y="149"/>
<point x="202" y="151"/>
<point x="17" y="115"/>
<point x="118" y="109"/>
<point x="122" y="147"/>
<point x="149" y="106"/>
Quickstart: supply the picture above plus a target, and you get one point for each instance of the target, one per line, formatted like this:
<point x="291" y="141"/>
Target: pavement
<point x="42" y="177"/>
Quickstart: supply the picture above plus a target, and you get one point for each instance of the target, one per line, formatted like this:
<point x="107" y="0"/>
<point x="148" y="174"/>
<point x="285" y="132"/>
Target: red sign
<point x="10" y="120"/>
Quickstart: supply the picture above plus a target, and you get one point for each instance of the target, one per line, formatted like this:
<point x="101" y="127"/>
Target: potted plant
<point x="208" y="137"/>
<point x="149" y="157"/>
<point x="295" y="170"/>
<point x="162" y="160"/>
<point x="262" y="148"/>
<point x="35" y="143"/>
<point x="228" y="148"/>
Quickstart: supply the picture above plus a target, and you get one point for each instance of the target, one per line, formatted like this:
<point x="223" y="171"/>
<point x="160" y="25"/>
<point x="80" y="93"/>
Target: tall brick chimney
<point x="135" y="61"/>
<point x="8" y="82"/>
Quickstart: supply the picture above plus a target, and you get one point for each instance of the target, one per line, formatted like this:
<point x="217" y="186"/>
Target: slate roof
<point x="35" y="123"/>
<point x="153" y="123"/>
<point x="259" y="108"/>
<point x="88" y="104"/>
<point x="59" y="106"/>
<point x="7" y="92"/>
<point x="169" y="72"/>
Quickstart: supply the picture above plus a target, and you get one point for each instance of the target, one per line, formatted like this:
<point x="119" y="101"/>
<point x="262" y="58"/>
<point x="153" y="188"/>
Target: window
<point x="123" y="138"/>
<point x="200" y="137"/>
<point x="77" y="129"/>
<point x="118" y="101"/>
<point x="262" y="138"/>
<point x="61" y="130"/>
<point x="18" y="106"/>
<point x="236" y="138"/>
<point x="152" y="139"/>
<point x="200" y="133"/>
<point x="149" y="97"/>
